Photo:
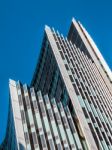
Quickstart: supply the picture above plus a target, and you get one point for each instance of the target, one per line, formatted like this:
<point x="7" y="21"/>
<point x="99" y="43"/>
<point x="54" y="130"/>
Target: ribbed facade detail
<point x="90" y="89"/>
<point x="46" y="124"/>
<point x="69" y="102"/>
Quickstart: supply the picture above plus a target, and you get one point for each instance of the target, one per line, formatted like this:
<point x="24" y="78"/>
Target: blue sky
<point x="21" y="30"/>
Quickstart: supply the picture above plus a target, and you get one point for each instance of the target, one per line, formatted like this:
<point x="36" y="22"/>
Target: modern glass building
<point x="69" y="102"/>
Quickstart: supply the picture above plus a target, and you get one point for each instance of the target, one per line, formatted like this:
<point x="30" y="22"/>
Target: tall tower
<point x="69" y="102"/>
<point x="73" y="71"/>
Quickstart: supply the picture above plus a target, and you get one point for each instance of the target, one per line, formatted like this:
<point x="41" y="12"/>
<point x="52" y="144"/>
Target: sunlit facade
<point x="69" y="102"/>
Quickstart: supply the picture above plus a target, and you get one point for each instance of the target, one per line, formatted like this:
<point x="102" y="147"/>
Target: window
<point x="59" y="39"/>
<point x="67" y="111"/>
<point x="72" y="62"/>
<point x="100" y="137"/>
<point x="26" y="137"/>
<point x="66" y="66"/>
<point x="54" y="37"/>
<point x="63" y="48"/>
<point x="76" y="90"/>
<point x="72" y="70"/>
<point x="94" y="134"/>
<point x="51" y="144"/>
<point x="64" y="142"/>
<point x="50" y="114"/>
<point x="57" y="118"/>
<point x="64" y="120"/>
<point x="109" y="128"/>
<point x="82" y="86"/>
<point x="58" y="45"/>
<point x="67" y="59"/>
<point x="87" y="97"/>
<point x="81" y="92"/>
<point x="92" y="118"/>
<point x="42" y="107"/>
<point x="42" y="137"/>
<point x="62" y="55"/>
<point x="27" y="101"/>
<point x="71" y="125"/>
<point x="88" y="90"/>
<point x="104" y="126"/>
<point x="20" y="99"/>
<point x="59" y="146"/>
<point x="23" y="116"/>
<point x="85" y="112"/>
<point x="68" y="52"/>
<point x="35" y="105"/>
<point x="77" y="82"/>
<point x="105" y="138"/>
<point x="71" y="78"/>
<point x="77" y="73"/>
<point x="98" y="122"/>
<point x="64" y="43"/>
<point x="34" y="138"/>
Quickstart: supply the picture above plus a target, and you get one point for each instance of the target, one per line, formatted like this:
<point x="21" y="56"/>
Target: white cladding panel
<point x="16" y="114"/>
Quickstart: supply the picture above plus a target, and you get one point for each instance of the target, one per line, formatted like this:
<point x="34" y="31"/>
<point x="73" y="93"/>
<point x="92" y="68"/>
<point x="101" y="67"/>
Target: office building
<point x="70" y="104"/>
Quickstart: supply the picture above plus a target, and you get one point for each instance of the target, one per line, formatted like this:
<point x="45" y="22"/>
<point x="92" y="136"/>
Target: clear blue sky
<point x="21" y="31"/>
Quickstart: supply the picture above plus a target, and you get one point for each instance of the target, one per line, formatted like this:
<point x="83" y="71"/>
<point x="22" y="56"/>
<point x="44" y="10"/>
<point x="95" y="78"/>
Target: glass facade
<point x="68" y="104"/>
<point x="90" y="86"/>
<point x="46" y="123"/>
<point x="10" y="138"/>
